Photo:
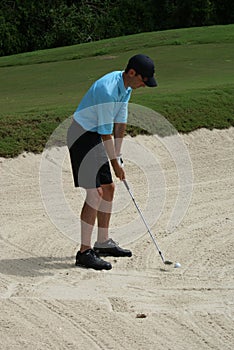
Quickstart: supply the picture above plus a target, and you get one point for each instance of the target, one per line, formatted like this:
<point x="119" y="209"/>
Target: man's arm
<point x="111" y="152"/>
<point x="119" y="131"/>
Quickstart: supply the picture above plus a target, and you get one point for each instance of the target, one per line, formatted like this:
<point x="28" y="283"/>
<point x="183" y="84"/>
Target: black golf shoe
<point x="111" y="248"/>
<point x="90" y="259"/>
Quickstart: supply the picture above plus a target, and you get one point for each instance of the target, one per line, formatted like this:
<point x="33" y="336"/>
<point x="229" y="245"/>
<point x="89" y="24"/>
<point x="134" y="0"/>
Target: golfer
<point x="94" y="141"/>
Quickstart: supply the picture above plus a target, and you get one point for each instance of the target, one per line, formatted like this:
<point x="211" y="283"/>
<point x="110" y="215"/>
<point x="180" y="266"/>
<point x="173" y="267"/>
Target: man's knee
<point x="108" y="191"/>
<point x="94" y="197"/>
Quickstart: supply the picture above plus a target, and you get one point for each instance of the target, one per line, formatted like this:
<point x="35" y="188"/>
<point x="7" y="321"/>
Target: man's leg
<point x="89" y="215"/>
<point x="86" y="256"/>
<point x="106" y="246"/>
<point x="104" y="212"/>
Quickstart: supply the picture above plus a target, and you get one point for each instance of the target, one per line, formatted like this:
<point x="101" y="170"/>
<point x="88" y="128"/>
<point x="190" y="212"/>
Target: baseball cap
<point x="144" y="66"/>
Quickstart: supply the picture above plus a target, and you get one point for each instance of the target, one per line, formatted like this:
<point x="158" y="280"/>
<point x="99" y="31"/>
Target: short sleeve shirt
<point x="105" y="103"/>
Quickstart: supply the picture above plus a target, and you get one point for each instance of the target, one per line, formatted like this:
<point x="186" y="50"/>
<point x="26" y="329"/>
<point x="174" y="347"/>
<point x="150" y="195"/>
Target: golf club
<point x="166" y="262"/>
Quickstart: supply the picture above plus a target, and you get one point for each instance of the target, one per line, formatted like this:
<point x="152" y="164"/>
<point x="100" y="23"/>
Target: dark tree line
<point x="28" y="25"/>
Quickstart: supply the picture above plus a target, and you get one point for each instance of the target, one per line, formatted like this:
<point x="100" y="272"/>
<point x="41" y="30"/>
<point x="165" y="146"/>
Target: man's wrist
<point x="120" y="160"/>
<point x="114" y="162"/>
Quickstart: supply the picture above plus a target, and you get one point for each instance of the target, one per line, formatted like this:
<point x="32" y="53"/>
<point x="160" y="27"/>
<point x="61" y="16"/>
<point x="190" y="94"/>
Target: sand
<point x="48" y="303"/>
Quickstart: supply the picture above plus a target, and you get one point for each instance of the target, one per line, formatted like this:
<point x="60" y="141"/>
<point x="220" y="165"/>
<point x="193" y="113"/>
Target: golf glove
<point x="120" y="160"/>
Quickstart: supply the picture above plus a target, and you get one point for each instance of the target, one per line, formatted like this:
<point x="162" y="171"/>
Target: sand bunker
<point x="48" y="303"/>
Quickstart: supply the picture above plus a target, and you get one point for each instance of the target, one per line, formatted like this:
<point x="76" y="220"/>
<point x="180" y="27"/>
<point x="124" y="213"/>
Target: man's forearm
<point x="111" y="152"/>
<point x="119" y="131"/>
<point x="109" y="146"/>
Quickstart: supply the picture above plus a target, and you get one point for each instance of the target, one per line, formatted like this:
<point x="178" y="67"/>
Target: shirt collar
<point x="122" y="88"/>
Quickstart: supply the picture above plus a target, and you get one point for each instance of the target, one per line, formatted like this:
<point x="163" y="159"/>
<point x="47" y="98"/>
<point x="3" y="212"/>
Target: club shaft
<point x="143" y="219"/>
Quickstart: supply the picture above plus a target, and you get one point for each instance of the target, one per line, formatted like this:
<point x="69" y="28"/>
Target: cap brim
<point x="151" y="82"/>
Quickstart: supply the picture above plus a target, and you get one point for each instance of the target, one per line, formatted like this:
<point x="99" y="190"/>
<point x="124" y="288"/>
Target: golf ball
<point x="177" y="265"/>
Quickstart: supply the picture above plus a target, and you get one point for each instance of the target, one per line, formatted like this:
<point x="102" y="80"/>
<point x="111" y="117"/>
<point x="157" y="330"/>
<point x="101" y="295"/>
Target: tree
<point x="224" y="11"/>
<point x="27" y="25"/>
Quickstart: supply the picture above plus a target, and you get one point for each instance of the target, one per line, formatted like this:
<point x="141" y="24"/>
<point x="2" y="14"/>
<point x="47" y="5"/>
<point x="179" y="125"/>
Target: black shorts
<point x="90" y="165"/>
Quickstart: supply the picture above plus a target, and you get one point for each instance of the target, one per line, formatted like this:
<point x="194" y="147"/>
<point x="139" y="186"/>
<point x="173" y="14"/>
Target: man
<point x="102" y="113"/>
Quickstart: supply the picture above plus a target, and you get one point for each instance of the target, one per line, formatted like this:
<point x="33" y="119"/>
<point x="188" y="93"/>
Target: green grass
<point x="184" y="36"/>
<point x="194" y="68"/>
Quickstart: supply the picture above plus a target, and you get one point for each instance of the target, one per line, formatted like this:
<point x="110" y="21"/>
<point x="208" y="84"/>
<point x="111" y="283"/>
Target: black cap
<point x="144" y="66"/>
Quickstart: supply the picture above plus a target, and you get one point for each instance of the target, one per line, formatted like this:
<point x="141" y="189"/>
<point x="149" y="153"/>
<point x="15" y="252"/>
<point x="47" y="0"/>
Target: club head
<point x="168" y="262"/>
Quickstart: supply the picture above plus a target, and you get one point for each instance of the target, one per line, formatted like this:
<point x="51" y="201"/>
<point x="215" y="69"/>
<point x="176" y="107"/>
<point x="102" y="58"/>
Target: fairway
<point x="57" y="86"/>
<point x="195" y="79"/>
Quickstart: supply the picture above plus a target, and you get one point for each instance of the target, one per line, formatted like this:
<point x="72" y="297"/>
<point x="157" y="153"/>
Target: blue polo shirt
<point x="105" y="103"/>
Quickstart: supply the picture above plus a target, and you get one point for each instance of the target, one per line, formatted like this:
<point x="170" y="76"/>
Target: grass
<point x="194" y="68"/>
<point x="207" y="108"/>
<point x="184" y="36"/>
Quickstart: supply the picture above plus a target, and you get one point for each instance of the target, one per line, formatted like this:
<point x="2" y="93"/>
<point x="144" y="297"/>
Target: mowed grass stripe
<point x="195" y="89"/>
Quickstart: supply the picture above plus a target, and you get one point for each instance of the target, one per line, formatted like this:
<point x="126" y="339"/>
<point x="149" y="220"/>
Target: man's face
<point x="136" y="80"/>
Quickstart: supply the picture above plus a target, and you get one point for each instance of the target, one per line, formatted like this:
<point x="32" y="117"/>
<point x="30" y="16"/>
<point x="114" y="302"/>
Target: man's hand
<point x="119" y="171"/>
